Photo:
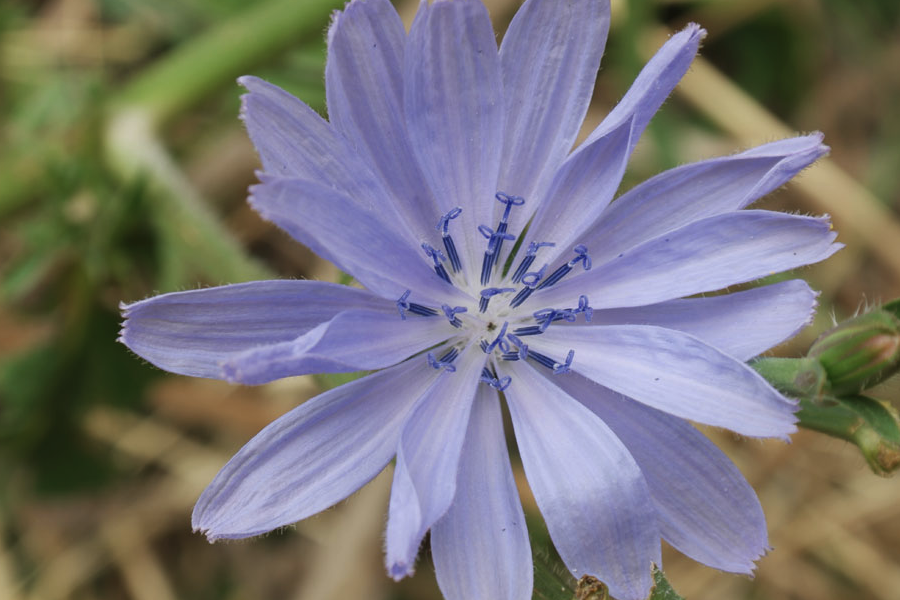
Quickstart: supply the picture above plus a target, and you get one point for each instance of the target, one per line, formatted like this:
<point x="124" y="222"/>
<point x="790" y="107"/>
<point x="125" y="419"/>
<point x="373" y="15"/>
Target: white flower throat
<point x="496" y="320"/>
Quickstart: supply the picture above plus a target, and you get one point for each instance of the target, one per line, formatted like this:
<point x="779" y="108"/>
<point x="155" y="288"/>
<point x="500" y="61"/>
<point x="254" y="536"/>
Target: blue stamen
<point x="550" y="315"/>
<point x="495" y="241"/>
<point x="559" y="369"/>
<point x="533" y="247"/>
<point x="530" y="280"/>
<point x="499" y="341"/>
<point x="583" y="307"/>
<point x="445" y="361"/>
<point x="437" y="256"/>
<point x="488" y="293"/>
<point x="444" y="227"/>
<point x="498" y="384"/>
<point x="581" y="256"/>
<point x="530" y="330"/>
<point x="451" y="313"/>
<point x="542" y="359"/>
<point x="523" y="347"/>
<point x="510" y="201"/>
<point x="403" y="305"/>
<point x="450" y="355"/>
<point x="417" y="309"/>
<point x="423" y="311"/>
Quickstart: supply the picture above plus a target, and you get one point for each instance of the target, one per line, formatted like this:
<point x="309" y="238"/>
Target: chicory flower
<point x="494" y="260"/>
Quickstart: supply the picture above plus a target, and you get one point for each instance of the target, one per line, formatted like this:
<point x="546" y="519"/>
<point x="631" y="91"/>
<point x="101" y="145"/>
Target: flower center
<point x="496" y="322"/>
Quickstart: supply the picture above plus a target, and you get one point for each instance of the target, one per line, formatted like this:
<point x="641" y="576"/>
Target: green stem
<point x="873" y="426"/>
<point x="216" y="57"/>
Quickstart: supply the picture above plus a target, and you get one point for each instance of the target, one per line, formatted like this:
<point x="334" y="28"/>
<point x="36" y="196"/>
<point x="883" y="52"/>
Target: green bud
<point x="860" y="352"/>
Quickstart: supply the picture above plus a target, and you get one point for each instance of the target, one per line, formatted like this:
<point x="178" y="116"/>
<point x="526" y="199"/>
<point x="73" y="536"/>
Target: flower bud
<point x="860" y="352"/>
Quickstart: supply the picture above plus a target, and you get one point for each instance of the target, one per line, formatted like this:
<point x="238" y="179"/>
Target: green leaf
<point x="551" y="579"/>
<point x="333" y="380"/>
<point x="662" y="589"/>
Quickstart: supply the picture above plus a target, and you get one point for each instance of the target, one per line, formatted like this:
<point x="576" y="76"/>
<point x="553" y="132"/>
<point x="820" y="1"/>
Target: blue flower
<point x="446" y="184"/>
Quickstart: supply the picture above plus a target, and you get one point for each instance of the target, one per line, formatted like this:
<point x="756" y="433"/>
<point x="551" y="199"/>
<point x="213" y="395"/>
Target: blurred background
<point x="123" y="173"/>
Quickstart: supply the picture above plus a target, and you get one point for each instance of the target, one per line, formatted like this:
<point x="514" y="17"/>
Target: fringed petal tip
<point x="695" y="31"/>
<point x="339" y="14"/>
<point x="747" y="566"/>
<point x="400" y="570"/>
<point x="209" y="535"/>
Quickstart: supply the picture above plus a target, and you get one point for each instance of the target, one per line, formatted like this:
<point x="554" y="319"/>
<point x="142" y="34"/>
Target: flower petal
<point x="590" y="490"/>
<point x="294" y="141"/>
<point x="706" y="508"/>
<point x="193" y="332"/>
<point x="703" y="256"/>
<point x="480" y="547"/>
<point x="581" y="190"/>
<point x="312" y="457"/>
<point x="676" y="373"/>
<point x="742" y="325"/>
<point x="653" y="84"/>
<point x="549" y="59"/>
<point x="428" y="460"/>
<point x="364" y="84"/>
<point x="354" y="340"/>
<point x="453" y="101"/>
<point x="692" y="192"/>
<point x="353" y="235"/>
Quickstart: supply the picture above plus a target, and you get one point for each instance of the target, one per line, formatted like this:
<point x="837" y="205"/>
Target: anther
<point x="531" y="281"/>
<point x="548" y="315"/>
<point x="583" y="307"/>
<point x="499" y="341"/>
<point x="451" y="313"/>
<point x="523" y="347"/>
<point x="533" y="247"/>
<point x="417" y="309"/>
<point x="509" y="201"/>
<point x="495" y="242"/>
<point x="559" y="369"/>
<point x="444" y="227"/>
<point x="437" y="256"/>
<point x="444" y="362"/>
<point x="581" y="257"/>
<point x="498" y="384"/>
<point x="488" y="293"/>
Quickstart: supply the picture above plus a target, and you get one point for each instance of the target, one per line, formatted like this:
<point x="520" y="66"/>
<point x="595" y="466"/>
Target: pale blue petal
<point x="706" y="508"/>
<point x="294" y="141"/>
<point x="312" y="457"/>
<point x="692" y="192"/>
<point x="480" y="547"/>
<point x="590" y="490"/>
<point x="193" y="332"/>
<point x="364" y="85"/>
<point x="453" y="100"/>
<point x="676" y="373"/>
<point x="743" y="324"/>
<point x="703" y="256"/>
<point x="581" y="191"/>
<point x="354" y="340"/>
<point x="428" y="461"/>
<point x="549" y="58"/>
<point x="653" y="84"/>
<point x="355" y="236"/>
